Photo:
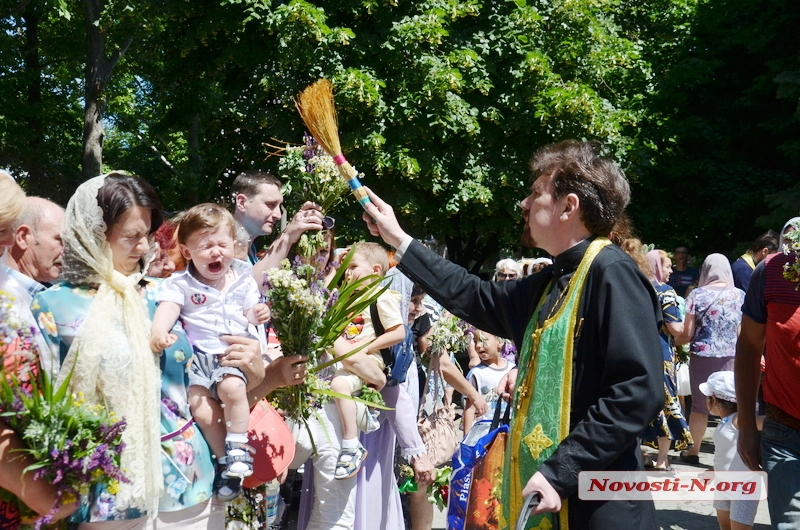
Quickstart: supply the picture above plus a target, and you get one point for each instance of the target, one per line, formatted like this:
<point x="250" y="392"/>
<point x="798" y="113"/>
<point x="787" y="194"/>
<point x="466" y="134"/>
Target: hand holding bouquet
<point x="74" y="446"/>
<point x="308" y="319"/>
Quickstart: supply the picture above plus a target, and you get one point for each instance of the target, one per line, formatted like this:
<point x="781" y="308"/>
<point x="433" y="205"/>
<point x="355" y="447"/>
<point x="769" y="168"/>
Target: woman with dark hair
<point x="711" y="327"/>
<point x="102" y="311"/>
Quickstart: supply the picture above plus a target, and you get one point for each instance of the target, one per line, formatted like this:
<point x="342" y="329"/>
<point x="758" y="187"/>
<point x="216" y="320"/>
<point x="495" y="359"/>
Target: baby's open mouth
<point x="215" y="266"/>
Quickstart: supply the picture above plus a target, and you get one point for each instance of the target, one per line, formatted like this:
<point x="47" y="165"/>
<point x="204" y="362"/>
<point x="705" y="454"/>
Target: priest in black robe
<point x="617" y="369"/>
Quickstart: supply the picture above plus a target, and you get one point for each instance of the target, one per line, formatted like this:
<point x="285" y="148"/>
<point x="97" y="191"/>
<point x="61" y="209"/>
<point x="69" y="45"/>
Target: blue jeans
<point x="780" y="455"/>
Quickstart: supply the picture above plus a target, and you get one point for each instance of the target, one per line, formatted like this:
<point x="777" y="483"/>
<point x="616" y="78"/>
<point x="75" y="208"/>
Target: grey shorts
<point x="743" y="512"/>
<point x="207" y="372"/>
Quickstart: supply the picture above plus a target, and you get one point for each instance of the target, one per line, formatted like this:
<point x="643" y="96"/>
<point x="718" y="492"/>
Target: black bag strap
<point x="377" y="325"/>
<point x="496" y="421"/>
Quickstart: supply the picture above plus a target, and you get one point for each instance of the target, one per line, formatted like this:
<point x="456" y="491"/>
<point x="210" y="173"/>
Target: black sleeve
<point x="421" y="326"/>
<point x="500" y="308"/>
<point x="618" y="378"/>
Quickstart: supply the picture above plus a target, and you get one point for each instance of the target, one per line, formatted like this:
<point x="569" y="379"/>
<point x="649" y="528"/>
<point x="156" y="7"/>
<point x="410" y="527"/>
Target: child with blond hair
<point x="216" y="295"/>
<point x="367" y="259"/>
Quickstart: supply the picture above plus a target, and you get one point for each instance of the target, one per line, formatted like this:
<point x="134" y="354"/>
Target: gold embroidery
<point x="502" y="522"/>
<point x="536" y="441"/>
<point x="545" y="524"/>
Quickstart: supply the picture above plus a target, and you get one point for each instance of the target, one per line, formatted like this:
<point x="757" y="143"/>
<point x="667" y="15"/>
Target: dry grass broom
<point x="315" y="105"/>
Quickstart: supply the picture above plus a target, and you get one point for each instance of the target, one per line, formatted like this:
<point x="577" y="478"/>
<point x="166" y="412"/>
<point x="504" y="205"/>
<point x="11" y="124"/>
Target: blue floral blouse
<point x="186" y="458"/>
<point x="718" y="314"/>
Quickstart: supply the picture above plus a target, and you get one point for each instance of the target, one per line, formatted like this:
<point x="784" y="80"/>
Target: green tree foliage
<point x="723" y="129"/>
<point x="40" y="106"/>
<point x="441" y="102"/>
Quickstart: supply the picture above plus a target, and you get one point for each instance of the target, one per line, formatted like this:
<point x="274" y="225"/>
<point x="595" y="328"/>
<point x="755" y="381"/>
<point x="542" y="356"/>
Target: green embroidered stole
<point x="540" y="418"/>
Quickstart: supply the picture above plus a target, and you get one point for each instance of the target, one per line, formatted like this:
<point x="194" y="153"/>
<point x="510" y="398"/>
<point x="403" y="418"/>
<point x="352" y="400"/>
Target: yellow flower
<point x="113" y="487"/>
<point x="68" y="498"/>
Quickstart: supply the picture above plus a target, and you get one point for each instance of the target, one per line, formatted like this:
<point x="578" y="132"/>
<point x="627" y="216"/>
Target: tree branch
<point x="110" y="64"/>
<point x="16" y="10"/>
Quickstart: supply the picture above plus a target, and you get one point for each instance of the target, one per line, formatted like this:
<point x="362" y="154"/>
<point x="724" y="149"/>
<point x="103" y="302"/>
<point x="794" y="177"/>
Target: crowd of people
<point x="167" y="316"/>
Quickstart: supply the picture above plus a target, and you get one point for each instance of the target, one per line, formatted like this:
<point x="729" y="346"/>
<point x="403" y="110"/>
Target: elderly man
<point x="35" y="258"/>
<point x="587" y="325"/>
<point x="258" y="207"/>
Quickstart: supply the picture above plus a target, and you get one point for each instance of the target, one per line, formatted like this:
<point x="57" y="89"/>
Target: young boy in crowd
<point x="216" y="295"/>
<point x="486" y="376"/>
<point x="720" y="395"/>
<point x="367" y="259"/>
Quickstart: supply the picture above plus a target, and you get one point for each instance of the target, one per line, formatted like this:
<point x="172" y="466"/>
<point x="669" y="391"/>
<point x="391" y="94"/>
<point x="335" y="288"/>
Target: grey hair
<point x="507" y="263"/>
<point x="33" y="213"/>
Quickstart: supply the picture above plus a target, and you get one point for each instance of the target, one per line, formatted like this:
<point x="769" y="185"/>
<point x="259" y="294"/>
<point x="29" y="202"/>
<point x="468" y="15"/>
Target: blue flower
<point x="176" y="488"/>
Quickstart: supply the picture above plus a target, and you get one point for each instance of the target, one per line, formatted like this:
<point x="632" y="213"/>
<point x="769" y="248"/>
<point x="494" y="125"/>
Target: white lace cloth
<point x="110" y="360"/>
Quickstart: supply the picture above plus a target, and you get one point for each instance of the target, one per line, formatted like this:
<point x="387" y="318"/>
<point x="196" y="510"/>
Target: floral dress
<point x="670" y="421"/>
<point x="185" y="456"/>
<point x="718" y="314"/>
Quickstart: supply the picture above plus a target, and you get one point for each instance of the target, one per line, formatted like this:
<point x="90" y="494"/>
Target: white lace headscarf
<point x="110" y="359"/>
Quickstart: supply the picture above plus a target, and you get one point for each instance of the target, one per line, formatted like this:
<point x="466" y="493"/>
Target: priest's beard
<point x="526" y="238"/>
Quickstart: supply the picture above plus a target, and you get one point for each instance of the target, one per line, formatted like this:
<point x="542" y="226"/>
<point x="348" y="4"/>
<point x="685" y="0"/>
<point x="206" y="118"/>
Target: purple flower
<point x="333" y="299"/>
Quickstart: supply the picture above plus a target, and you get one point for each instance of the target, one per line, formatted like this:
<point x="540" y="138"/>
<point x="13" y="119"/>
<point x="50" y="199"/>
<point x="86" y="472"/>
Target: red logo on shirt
<point x="198" y="299"/>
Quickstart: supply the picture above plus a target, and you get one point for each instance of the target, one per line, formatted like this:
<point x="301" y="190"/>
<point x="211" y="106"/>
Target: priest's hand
<point x="549" y="500"/>
<point x="505" y="389"/>
<point x="381" y="220"/>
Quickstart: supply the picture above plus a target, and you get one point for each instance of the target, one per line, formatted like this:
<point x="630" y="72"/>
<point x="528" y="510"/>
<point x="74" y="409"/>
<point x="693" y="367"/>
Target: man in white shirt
<point x="33" y="260"/>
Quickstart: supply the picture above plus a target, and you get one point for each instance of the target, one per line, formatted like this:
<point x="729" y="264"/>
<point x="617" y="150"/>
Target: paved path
<point x="695" y="515"/>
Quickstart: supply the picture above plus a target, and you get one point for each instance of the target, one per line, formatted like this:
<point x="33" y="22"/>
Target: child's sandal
<point x="349" y="462"/>
<point x="243" y="457"/>
<point x="227" y="487"/>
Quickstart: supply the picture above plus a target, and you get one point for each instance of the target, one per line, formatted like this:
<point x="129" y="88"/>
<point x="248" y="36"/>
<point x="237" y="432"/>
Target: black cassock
<point x="618" y="369"/>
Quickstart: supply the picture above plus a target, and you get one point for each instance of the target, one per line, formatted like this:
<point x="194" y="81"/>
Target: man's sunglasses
<point x="504" y="276"/>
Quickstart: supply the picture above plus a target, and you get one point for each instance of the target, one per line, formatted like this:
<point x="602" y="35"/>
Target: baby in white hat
<point x="720" y="392"/>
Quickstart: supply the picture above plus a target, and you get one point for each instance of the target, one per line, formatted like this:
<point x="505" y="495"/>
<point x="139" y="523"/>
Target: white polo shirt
<point x="207" y="313"/>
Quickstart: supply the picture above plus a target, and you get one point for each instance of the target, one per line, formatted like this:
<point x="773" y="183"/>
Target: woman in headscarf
<point x="97" y="323"/>
<point x="788" y="227"/>
<point x="711" y="327"/>
<point x="669" y="426"/>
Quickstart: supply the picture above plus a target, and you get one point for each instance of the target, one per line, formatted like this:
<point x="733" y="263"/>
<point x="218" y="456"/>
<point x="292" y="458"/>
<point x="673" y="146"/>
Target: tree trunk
<point x="94" y="104"/>
<point x="98" y="70"/>
<point x="33" y="73"/>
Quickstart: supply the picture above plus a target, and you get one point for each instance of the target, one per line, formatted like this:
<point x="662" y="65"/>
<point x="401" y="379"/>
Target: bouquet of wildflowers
<point x="74" y="446"/>
<point x="312" y="173"/>
<point x="449" y="334"/>
<point x="791" y="271"/>
<point x="308" y="318"/>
